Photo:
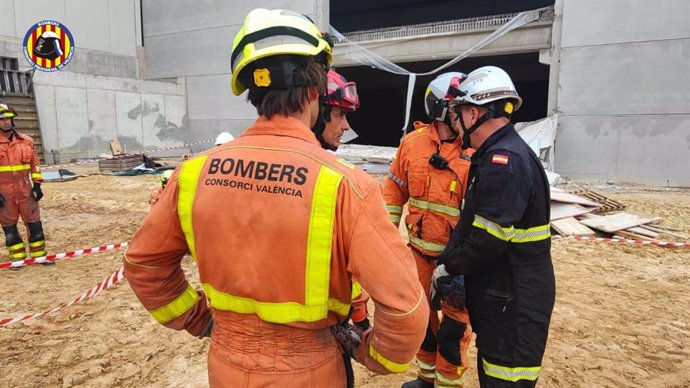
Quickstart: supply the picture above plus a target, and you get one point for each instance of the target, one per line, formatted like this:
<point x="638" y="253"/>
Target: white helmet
<point x="223" y="138"/>
<point x="488" y="84"/>
<point x="437" y="95"/>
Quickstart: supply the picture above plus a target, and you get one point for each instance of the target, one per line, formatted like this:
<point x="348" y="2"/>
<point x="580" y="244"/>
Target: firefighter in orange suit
<point x="20" y="188"/>
<point x="278" y="228"/>
<point x="430" y="173"/>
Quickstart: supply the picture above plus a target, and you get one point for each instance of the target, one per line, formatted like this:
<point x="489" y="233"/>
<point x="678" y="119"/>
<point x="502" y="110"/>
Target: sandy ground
<point x="620" y="319"/>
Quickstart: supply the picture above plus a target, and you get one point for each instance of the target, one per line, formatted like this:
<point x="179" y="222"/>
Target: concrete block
<point x="113" y="83"/>
<point x="100" y="63"/>
<point x="158" y="87"/>
<point x="167" y="16"/>
<point x="7" y="23"/>
<point x="102" y="114"/>
<point x="123" y="38"/>
<point x="210" y="97"/>
<point x="153" y="120"/>
<point x="88" y="21"/>
<point x="72" y="119"/>
<point x="60" y="78"/>
<point x="130" y="111"/>
<point x="647" y="149"/>
<point x="47" y="115"/>
<point x="633" y="78"/>
<point x="592" y="22"/>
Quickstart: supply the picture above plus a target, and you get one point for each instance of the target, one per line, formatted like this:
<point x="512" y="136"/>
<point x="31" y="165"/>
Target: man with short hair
<point x="278" y="228"/>
<point x="20" y="189"/>
<point x="502" y="244"/>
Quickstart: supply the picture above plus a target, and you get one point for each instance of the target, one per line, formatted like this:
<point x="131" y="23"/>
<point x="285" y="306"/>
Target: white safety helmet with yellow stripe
<point x="224" y="137"/>
<point x="269" y="33"/>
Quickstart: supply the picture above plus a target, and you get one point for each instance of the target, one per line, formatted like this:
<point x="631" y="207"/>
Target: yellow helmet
<point x="7" y="111"/>
<point x="266" y="33"/>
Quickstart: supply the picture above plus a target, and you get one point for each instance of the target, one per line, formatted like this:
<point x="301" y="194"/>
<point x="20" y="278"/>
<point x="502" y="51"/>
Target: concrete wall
<point x="98" y="97"/>
<point x="623" y="85"/>
<point x="196" y="43"/>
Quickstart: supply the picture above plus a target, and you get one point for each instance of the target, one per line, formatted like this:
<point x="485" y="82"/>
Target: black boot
<point x="37" y="242"/>
<point x="418" y="383"/>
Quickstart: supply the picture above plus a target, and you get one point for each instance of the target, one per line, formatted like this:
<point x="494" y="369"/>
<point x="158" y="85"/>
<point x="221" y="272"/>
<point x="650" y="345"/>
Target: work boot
<point x="418" y="383"/>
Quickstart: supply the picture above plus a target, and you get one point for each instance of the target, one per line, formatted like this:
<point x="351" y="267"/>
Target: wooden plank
<point x="643" y="231"/>
<point x="633" y="236"/>
<point x="615" y="222"/>
<point x="572" y="198"/>
<point x="664" y="231"/>
<point x="571" y="227"/>
<point x="564" y="210"/>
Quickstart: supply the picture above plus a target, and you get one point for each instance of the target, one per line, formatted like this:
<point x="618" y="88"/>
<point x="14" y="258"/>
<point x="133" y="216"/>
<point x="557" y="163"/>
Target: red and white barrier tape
<point x="51" y="166"/>
<point x="90" y="293"/>
<point x="65" y="255"/>
<point x="625" y="241"/>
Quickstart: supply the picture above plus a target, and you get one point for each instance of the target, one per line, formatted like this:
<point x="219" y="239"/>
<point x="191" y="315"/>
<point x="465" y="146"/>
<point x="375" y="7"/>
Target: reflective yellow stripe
<point x="447" y="381"/>
<point x="424" y="365"/>
<point x="435" y="207"/>
<point x="187" y="184"/>
<point x="36" y="175"/>
<point x="429" y="246"/>
<point x="177" y="307"/>
<point x="38" y="254"/>
<point x="317" y="303"/>
<point x="537" y="233"/>
<point x="356" y="290"/>
<point x="388" y="364"/>
<point x="394" y="219"/>
<point x="453" y="185"/>
<point x="274" y="312"/>
<point x="511" y="374"/>
<point x="392" y="209"/>
<point x="37" y="243"/>
<point x="16" y="246"/>
<point x="428" y="375"/>
<point x="19" y="255"/>
<point x="16" y="167"/>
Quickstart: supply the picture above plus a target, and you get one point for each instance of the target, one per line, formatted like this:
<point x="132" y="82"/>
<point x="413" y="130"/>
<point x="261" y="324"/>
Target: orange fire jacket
<point x="278" y="228"/>
<point x="434" y="195"/>
<point x="19" y="166"/>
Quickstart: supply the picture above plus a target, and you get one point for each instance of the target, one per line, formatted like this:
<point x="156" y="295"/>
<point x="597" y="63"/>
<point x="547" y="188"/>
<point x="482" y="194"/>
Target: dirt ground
<point x="620" y="320"/>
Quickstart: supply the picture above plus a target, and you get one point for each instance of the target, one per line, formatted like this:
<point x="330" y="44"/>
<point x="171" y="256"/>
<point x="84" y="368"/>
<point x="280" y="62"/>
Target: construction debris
<point x="571" y="227"/>
<point x="617" y="222"/>
<point x="607" y="204"/>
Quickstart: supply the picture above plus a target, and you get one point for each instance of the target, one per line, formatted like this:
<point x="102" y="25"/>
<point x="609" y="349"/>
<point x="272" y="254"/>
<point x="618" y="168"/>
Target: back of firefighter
<point x="279" y="227"/>
<point x="430" y="173"/>
<point x="20" y="188"/>
<point x="502" y="244"/>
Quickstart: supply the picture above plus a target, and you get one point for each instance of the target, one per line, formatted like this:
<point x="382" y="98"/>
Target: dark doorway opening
<point x="380" y="119"/>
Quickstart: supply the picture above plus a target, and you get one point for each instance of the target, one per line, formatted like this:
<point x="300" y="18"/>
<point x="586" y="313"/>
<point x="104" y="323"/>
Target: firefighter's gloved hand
<point x="36" y="192"/>
<point x="448" y="288"/>
<point x="207" y="329"/>
<point x="348" y="336"/>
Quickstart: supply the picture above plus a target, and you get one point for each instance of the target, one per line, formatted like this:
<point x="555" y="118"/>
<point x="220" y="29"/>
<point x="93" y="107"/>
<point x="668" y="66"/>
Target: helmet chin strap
<point x="468" y="131"/>
<point x="320" y="125"/>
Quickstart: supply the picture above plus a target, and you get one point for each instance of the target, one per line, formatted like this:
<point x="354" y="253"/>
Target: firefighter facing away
<point x="20" y="189"/>
<point x="278" y="228"/>
<point x="430" y="173"/>
<point x="502" y="244"/>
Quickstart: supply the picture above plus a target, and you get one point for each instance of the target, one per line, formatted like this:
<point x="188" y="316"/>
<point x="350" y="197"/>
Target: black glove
<point x="448" y="288"/>
<point x="36" y="192"/>
<point x="348" y="336"/>
<point x="2" y="201"/>
<point x="207" y="329"/>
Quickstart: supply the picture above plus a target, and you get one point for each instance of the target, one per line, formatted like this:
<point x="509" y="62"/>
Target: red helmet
<point x="341" y="93"/>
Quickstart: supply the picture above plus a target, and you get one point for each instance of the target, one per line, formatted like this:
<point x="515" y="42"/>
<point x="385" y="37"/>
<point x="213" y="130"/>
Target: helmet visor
<point x="6" y="111"/>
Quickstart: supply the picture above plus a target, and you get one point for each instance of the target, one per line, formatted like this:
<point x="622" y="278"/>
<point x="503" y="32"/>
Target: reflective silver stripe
<point x="394" y="218"/>
<point x="446" y="381"/>
<point x="511" y="374"/>
<point x="429" y="246"/>
<point x="536" y="233"/>
<point x="435" y="207"/>
<point x="424" y="365"/>
<point x="392" y="209"/>
<point x="397" y="180"/>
